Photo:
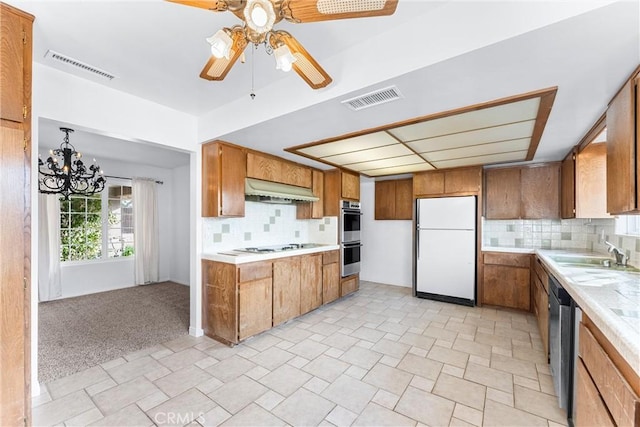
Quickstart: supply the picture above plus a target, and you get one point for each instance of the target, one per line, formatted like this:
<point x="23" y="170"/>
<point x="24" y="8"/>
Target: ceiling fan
<point x="259" y="16"/>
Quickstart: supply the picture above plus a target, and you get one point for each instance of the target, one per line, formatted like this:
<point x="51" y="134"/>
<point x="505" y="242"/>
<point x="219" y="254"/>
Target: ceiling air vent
<point x="78" y="64"/>
<point x="374" y="98"/>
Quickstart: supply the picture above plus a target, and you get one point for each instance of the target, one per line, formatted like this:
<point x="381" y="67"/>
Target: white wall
<point x="387" y="245"/>
<point x="180" y="243"/>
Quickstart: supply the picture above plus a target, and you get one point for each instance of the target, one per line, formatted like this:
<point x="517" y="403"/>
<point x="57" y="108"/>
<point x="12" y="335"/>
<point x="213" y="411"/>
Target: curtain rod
<point x="123" y="177"/>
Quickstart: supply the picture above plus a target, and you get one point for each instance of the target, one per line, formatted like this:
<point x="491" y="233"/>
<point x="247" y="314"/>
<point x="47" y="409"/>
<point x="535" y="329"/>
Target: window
<point x="97" y="227"/>
<point x="628" y="225"/>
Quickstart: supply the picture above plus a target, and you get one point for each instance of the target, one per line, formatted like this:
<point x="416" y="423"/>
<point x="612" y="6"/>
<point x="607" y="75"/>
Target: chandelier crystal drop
<point x="65" y="173"/>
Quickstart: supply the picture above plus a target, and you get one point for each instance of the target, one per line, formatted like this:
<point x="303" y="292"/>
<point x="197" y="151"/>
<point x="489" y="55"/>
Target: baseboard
<point x="196" y="332"/>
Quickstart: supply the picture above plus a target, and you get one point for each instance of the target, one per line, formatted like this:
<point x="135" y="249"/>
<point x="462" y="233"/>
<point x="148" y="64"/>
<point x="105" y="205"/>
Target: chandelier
<point x="65" y="173"/>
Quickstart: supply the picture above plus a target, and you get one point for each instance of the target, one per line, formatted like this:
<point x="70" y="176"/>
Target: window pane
<point x="120" y="239"/>
<point x="94" y="205"/>
<point x="78" y="204"/>
<point x="64" y="220"/>
<point x="115" y="191"/>
<point x="81" y="228"/>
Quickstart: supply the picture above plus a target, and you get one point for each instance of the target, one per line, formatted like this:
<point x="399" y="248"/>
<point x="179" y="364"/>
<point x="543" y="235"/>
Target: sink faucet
<point x="621" y="258"/>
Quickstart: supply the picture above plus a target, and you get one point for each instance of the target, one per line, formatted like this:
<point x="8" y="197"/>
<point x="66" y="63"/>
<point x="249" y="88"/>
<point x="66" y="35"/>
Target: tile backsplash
<point x="579" y="234"/>
<point x="263" y="225"/>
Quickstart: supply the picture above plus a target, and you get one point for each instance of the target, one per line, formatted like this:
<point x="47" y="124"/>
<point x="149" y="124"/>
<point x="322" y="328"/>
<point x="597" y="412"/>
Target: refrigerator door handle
<point x="417" y="243"/>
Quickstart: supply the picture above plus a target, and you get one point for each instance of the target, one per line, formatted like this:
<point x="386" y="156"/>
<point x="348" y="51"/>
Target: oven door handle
<point x="352" y="245"/>
<point x="351" y="212"/>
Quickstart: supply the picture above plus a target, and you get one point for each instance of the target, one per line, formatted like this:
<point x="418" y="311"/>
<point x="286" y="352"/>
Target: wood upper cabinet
<point x="456" y="181"/>
<point x="286" y="289"/>
<point x="584" y="183"/>
<point x="394" y="199"/>
<point x="339" y="185"/>
<point x="568" y="186"/>
<point x="530" y="192"/>
<point x="15" y="238"/>
<point x="502" y="193"/>
<point x="270" y="168"/>
<point x="623" y="125"/>
<point x="506" y="280"/>
<point x="330" y="276"/>
<point x="223" y="175"/>
<point x="310" y="282"/>
<point x="313" y="210"/>
<point x="541" y="191"/>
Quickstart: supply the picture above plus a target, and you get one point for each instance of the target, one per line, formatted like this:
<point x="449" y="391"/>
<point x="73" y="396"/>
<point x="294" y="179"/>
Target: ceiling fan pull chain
<point x="253" y="69"/>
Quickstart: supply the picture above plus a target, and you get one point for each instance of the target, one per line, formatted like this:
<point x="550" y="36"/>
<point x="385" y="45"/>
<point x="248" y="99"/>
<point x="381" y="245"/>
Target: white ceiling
<point x="157" y="50"/>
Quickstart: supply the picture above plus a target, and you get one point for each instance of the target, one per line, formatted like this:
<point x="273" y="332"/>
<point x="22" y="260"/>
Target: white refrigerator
<point x="445" y="249"/>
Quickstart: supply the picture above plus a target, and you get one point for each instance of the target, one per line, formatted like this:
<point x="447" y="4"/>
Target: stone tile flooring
<point x="378" y="357"/>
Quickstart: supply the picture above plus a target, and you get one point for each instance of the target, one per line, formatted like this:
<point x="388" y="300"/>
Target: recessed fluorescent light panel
<point x="504" y="130"/>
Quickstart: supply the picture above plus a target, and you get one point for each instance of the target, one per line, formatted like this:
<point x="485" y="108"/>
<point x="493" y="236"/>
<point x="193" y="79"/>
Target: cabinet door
<point x="590" y="409"/>
<point x="348" y="285"/>
<point x="541" y="192"/>
<point x="317" y="208"/>
<point x="255" y="307"/>
<point x="591" y="182"/>
<point x="502" y="189"/>
<point x="294" y="174"/>
<point x="385" y="200"/>
<point x="568" y="186"/>
<point x="286" y="289"/>
<point x="220" y="303"/>
<point x="350" y="185"/>
<point x="506" y="286"/>
<point x="264" y="167"/>
<point x="12" y="76"/>
<point x="466" y="180"/>
<point x="223" y="174"/>
<point x="404" y="199"/>
<point x="330" y="282"/>
<point x="428" y="184"/>
<point x="310" y="282"/>
<point x="621" y="156"/>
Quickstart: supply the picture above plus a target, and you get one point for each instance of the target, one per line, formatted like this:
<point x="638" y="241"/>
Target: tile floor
<point x="378" y="357"/>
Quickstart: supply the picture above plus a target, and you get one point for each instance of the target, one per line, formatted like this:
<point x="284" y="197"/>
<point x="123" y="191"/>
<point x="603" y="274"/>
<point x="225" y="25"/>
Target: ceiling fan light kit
<point x="259" y="17"/>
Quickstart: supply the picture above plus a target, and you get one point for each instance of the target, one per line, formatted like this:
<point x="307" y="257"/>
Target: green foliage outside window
<point x="80" y="228"/>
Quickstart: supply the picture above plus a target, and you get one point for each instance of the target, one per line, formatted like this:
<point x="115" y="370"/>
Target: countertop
<point x="235" y="257"/>
<point x="611" y="299"/>
<point x="508" y="250"/>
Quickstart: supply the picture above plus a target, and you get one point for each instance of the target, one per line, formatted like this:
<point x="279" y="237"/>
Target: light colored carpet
<point x="77" y="333"/>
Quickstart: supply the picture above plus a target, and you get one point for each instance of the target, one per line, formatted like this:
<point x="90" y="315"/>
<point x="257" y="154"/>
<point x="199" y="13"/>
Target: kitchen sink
<point x="577" y="261"/>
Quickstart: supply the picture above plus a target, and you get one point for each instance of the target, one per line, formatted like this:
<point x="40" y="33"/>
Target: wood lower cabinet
<point x="223" y="175"/>
<point x="330" y="276"/>
<point x="255" y="307"/>
<point x="349" y="285"/>
<point x="506" y="280"/>
<point x="286" y="289"/>
<point x="540" y="298"/>
<point x="524" y="192"/>
<point x="394" y="199"/>
<point x="15" y="238"/>
<point x="310" y="282"/>
<point x="220" y="302"/>
<point x="623" y="149"/>
<point x="608" y="387"/>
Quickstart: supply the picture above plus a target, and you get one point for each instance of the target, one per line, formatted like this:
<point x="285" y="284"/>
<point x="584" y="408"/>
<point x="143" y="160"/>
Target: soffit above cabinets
<point x="504" y="130"/>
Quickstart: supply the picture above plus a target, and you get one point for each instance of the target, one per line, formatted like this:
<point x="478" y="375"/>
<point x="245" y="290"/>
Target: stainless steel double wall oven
<point x="350" y="245"/>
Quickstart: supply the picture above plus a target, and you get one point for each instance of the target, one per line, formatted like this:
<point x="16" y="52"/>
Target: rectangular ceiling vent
<point x="374" y="98"/>
<point x="78" y="64"/>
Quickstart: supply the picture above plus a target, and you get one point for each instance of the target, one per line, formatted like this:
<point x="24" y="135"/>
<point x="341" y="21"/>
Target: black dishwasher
<point x="560" y="341"/>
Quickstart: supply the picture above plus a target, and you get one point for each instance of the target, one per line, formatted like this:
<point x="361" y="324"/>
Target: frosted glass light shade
<point x="259" y="15"/>
<point x="284" y="58"/>
<point x="220" y="44"/>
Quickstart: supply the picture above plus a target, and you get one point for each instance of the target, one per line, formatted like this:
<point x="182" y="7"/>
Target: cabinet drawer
<point x="349" y="285"/>
<point x="254" y="271"/>
<point x="330" y="257"/>
<point x="513" y="260"/>
<point x="622" y="402"/>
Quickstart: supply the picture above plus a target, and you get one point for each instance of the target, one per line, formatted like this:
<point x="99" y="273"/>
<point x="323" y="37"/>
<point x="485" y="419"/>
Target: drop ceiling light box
<point x="504" y="130"/>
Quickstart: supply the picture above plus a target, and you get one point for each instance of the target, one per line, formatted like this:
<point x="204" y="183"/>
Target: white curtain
<point x="49" y="284"/>
<point x="145" y="230"/>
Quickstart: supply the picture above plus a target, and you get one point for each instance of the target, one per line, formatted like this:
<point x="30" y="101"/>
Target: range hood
<point x="256" y="190"/>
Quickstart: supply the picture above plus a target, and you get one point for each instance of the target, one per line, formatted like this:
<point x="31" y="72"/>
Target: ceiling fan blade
<point x="305" y="65"/>
<point x="215" y="5"/>
<point x="325" y="10"/>
<point x="217" y="68"/>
